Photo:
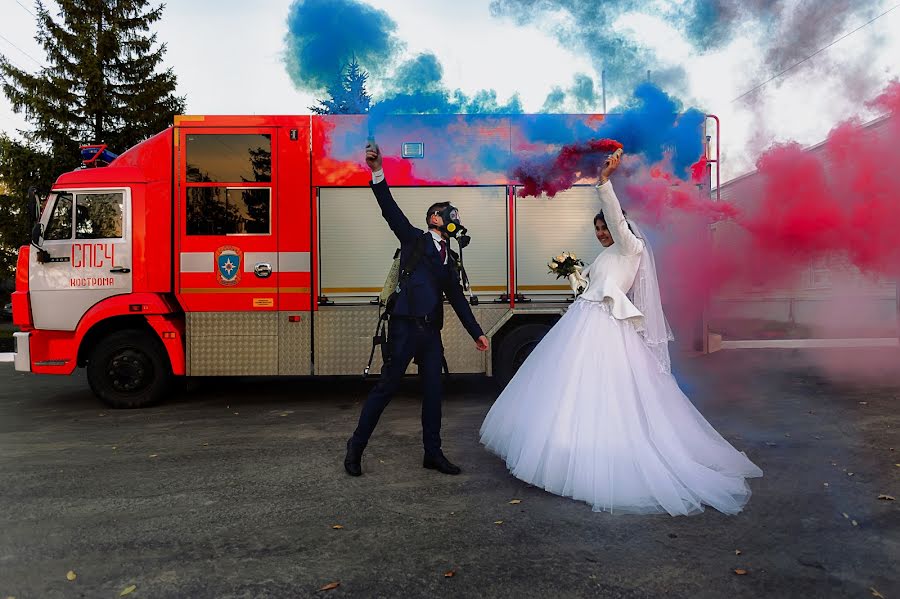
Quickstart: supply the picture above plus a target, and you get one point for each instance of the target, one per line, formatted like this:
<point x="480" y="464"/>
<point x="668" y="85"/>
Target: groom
<point x="414" y="328"/>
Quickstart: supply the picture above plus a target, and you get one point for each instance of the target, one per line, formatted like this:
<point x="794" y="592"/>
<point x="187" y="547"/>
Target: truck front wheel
<point x="129" y="369"/>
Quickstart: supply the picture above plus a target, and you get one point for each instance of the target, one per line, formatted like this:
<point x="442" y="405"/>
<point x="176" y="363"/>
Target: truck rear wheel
<point x="129" y="369"/>
<point x="515" y="348"/>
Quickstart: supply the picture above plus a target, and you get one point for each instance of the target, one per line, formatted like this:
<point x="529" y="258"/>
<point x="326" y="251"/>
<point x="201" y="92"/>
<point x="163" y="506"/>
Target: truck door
<point x="227" y="248"/>
<point x="87" y="240"/>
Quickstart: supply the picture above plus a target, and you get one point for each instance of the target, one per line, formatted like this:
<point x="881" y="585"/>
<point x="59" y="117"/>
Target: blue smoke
<point x="324" y="35"/>
<point x="418" y="88"/>
<point x="651" y="124"/>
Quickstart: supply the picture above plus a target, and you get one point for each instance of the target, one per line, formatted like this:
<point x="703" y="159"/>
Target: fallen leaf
<point x="854" y="523"/>
<point x="450" y="574"/>
<point x="153" y="455"/>
<point x="897" y="465"/>
<point x="826" y="484"/>
<point x="886" y="497"/>
<point x="787" y="434"/>
<point x="206" y="445"/>
<point x="845" y="515"/>
<point x="849" y="474"/>
<point x="381" y="461"/>
<point x="863" y="403"/>
<point x="770" y="444"/>
<point x="738" y="552"/>
<point x="338" y="527"/>
<point x="817" y="437"/>
<point x="70" y="575"/>
<point x="284" y="414"/>
<point x="114" y="447"/>
<point x="102" y="414"/>
<point x="875" y="593"/>
<point x="330" y="586"/>
<point x="740" y="571"/>
<point x="128" y="590"/>
<point x="498" y="522"/>
<point x="236" y="413"/>
<point x="515" y="502"/>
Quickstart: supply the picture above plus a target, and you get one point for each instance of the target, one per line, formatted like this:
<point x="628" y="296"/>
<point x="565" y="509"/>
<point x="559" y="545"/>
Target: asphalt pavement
<point x="235" y="488"/>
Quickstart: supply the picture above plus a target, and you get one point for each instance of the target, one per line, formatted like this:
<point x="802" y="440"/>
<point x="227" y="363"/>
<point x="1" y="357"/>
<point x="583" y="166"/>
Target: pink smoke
<point x="560" y="173"/>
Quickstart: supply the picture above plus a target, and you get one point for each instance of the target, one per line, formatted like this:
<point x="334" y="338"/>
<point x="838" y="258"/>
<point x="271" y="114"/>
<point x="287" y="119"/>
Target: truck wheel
<point x="129" y="369"/>
<point x="515" y="348"/>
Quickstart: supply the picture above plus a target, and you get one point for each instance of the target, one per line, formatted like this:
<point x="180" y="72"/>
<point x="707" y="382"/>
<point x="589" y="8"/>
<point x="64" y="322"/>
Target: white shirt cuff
<point x="378" y="176"/>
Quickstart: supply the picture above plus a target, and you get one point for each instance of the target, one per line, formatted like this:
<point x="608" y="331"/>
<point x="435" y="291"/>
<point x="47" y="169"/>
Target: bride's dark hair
<point x="599" y="216"/>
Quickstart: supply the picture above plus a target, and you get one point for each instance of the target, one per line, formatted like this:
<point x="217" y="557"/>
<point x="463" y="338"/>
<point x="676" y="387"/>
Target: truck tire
<point x="129" y="369"/>
<point x="515" y="348"/>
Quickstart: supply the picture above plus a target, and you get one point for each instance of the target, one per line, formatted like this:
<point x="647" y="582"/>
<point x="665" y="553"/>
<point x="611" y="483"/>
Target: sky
<point x="229" y="57"/>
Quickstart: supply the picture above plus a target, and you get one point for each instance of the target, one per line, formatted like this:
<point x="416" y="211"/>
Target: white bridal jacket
<point x="612" y="274"/>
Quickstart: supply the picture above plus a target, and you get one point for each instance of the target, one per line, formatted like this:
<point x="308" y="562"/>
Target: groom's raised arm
<point x="390" y="211"/>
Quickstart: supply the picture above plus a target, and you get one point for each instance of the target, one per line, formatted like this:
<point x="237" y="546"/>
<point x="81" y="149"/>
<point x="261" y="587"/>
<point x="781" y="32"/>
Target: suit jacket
<point x="422" y="294"/>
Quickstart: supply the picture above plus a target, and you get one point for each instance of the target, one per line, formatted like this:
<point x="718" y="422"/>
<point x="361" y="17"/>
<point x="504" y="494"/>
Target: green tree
<point x="347" y="93"/>
<point x="103" y="83"/>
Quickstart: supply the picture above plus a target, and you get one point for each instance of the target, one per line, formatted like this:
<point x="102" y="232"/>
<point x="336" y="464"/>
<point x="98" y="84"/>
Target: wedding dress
<point x="595" y="414"/>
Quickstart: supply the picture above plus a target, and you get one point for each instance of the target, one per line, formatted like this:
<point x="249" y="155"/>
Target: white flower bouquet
<point x="569" y="266"/>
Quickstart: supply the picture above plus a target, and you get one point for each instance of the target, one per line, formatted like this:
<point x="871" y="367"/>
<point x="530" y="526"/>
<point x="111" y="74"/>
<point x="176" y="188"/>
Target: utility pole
<point x="603" y="88"/>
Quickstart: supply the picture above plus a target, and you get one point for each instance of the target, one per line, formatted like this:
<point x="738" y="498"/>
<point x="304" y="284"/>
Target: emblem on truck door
<point x="228" y="265"/>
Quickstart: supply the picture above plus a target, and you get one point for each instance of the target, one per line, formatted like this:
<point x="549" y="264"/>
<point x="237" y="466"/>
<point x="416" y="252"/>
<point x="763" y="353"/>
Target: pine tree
<point x="103" y="83"/>
<point x="347" y="93"/>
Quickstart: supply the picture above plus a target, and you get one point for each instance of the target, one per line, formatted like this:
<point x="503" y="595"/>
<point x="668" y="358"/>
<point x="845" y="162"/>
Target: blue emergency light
<point x="91" y="155"/>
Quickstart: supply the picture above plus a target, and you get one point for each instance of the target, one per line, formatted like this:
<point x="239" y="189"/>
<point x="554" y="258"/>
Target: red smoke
<point x="841" y="199"/>
<point x="562" y="172"/>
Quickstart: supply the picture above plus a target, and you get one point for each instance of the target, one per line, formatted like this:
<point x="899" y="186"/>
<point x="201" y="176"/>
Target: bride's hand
<point x="610" y="166"/>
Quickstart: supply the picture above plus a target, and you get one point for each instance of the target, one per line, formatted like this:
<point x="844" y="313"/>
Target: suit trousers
<point x="408" y="338"/>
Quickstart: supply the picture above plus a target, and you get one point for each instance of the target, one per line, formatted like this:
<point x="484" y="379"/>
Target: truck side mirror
<point x="34" y="205"/>
<point x="36" y="231"/>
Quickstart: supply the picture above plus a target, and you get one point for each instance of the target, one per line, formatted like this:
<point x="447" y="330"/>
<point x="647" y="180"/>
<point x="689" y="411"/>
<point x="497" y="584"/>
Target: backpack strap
<point x="415" y="257"/>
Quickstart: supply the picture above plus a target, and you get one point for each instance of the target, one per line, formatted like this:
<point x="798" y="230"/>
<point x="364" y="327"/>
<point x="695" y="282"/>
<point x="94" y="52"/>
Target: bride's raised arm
<point x="628" y="243"/>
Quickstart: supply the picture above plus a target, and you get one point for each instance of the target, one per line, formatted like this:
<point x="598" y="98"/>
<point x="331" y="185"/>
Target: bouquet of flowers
<point x="568" y="265"/>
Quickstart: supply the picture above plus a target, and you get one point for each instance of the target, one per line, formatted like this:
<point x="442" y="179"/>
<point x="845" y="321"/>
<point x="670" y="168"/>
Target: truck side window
<point x="228" y="211"/>
<point x="98" y="216"/>
<point x="60" y="224"/>
<point x="228" y="158"/>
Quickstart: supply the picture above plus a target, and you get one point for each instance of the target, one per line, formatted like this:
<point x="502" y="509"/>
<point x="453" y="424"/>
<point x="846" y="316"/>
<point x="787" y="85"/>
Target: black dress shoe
<point x="440" y="463"/>
<point x="352" y="460"/>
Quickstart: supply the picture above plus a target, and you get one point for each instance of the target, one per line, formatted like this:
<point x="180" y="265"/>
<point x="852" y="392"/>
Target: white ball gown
<point x="594" y="413"/>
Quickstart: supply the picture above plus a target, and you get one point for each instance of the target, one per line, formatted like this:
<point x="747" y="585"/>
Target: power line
<point x="36" y="61"/>
<point x="846" y="35"/>
<point x="25" y="8"/>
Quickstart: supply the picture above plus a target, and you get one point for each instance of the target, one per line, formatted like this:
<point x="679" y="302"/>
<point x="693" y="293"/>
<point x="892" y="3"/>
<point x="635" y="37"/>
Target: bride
<point x="595" y="414"/>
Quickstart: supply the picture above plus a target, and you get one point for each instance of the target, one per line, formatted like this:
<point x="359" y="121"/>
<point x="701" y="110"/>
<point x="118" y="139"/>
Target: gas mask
<point x="452" y="226"/>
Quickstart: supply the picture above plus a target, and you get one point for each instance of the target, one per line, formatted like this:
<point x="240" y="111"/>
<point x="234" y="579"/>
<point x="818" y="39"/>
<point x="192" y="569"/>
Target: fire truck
<point x="253" y="246"/>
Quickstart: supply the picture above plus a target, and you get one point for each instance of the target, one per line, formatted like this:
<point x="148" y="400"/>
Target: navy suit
<point x="414" y="330"/>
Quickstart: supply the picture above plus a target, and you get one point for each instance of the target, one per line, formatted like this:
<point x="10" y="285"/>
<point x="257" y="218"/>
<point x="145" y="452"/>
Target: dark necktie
<point x="443" y="251"/>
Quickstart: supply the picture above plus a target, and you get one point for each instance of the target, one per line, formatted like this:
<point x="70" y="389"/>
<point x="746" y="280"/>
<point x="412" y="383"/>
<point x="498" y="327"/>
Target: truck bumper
<point x="23" y="351"/>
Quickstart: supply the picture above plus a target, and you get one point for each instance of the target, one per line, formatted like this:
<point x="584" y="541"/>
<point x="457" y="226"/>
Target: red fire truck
<point x="252" y="245"/>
